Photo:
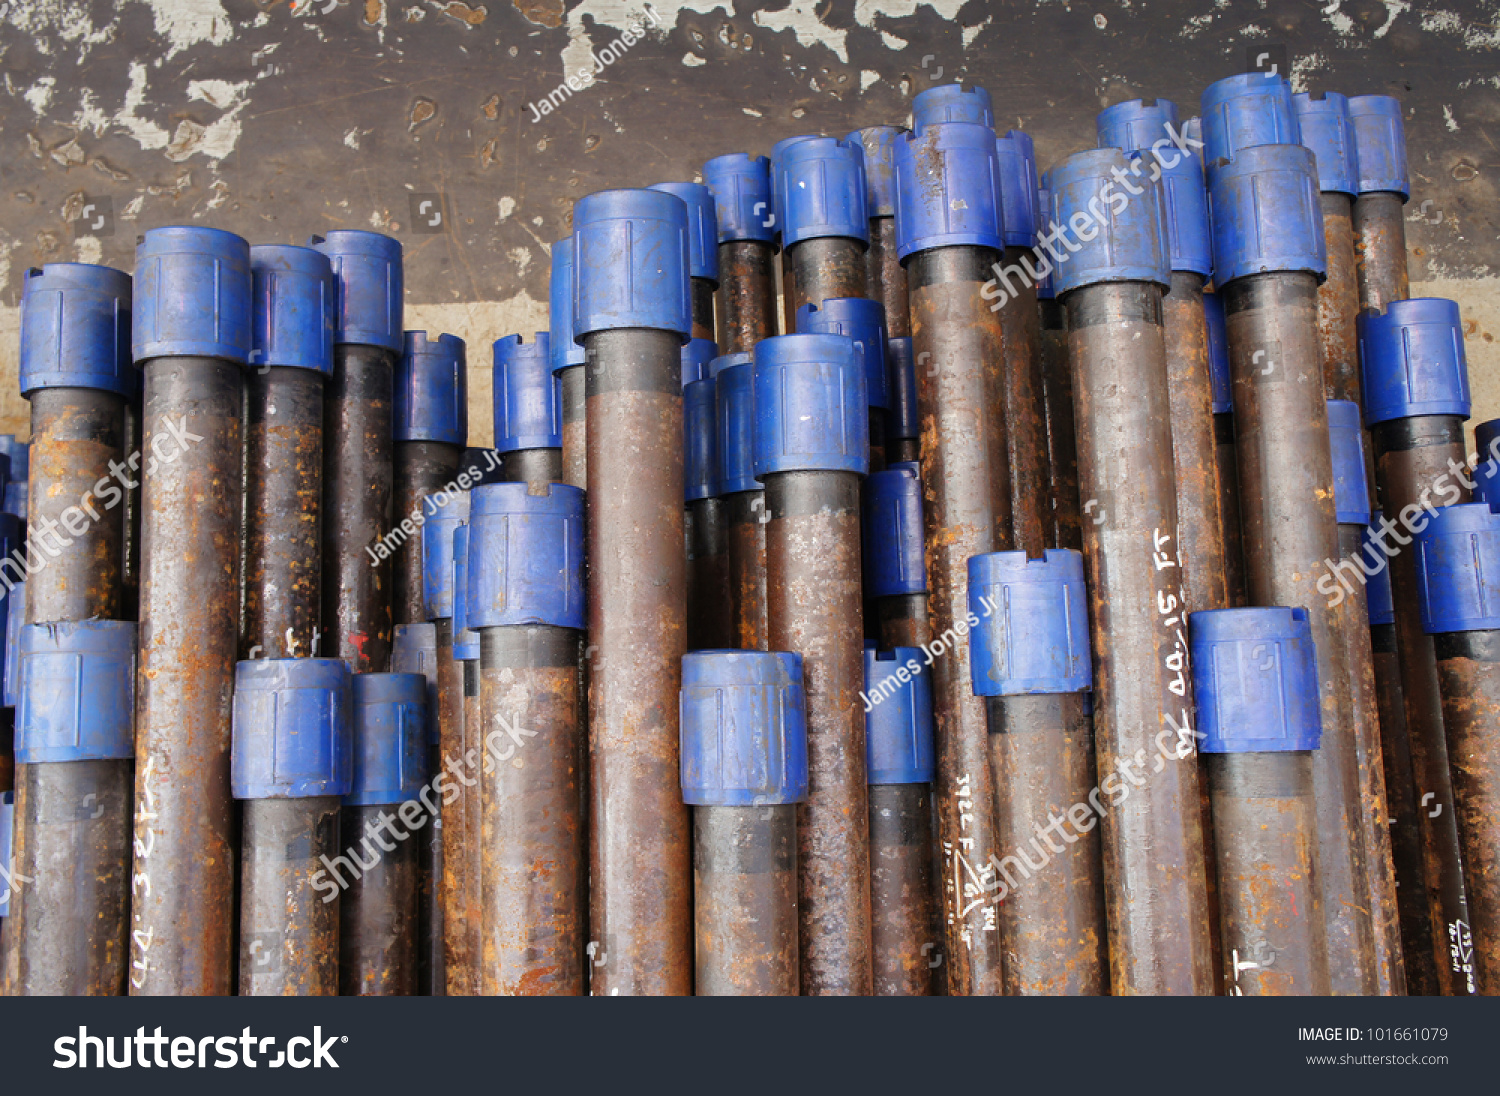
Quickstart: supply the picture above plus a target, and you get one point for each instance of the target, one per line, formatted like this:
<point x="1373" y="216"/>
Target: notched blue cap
<point x="465" y="639"/>
<point x="1029" y="623"/>
<point x="1246" y="110"/>
<point x="948" y="189"/>
<point x="1412" y="360"/>
<point x="1128" y="241"/>
<point x="1255" y="680"/>
<point x="811" y="409"/>
<point x="292" y="737"/>
<point x="1458" y="570"/>
<point x="1267" y="215"/>
<point x="432" y="390"/>
<point x="822" y="188"/>
<point x="75" y="329"/>
<point x="898" y="717"/>
<point x="1379" y="145"/>
<point x="1351" y="490"/>
<point x="696" y="356"/>
<point x="192" y="295"/>
<point x="1328" y="130"/>
<point x="951" y="103"/>
<point x="77" y="692"/>
<point x="368" y="290"/>
<point x="630" y="263"/>
<point x="1135" y="125"/>
<point x="389" y="738"/>
<point x="734" y="395"/>
<point x="1018" y="185"/>
<point x="862" y="320"/>
<point x="741" y="186"/>
<point x="528" y="395"/>
<point x="743" y="729"/>
<point x="703" y="228"/>
<point x="525" y="555"/>
<point x="564" y="349"/>
<point x="894" y="562"/>
<point x="292" y="300"/>
<point x="442" y="513"/>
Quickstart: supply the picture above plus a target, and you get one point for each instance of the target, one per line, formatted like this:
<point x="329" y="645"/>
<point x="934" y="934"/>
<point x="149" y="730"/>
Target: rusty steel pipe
<point x="747" y="294"/>
<point x="1415" y="389"/>
<point x="885" y="277"/>
<point x="905" y="440"/>
<point x="744" y="771"/>
<point x="1382" y="187"/>
<point x="819" y="195"/>
<point x="414" y="651"/>
<point x="419" y="469"/>
<point x="811" y="458"/>
<point x="182" y="880"/>
<point x="705" y="522"/>
<point x="566" y="356"/>
<point x="529" y="428"/>
<point x="1224" y="454"/>
<point x="460" y="882"/>
<point x="633" y="313"/>
<point x="1030" y="661"/>
<point x="1066" y="529"/>
<point x="825" y="268"/>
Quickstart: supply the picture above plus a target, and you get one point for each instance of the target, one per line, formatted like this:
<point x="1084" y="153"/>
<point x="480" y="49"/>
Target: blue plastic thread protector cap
<point x="414" y="650"/>
<point x="75" y="329"/>
<point x="700" y="440"/>
<point x="878" y="145"/>
<point x="1255" y="678"/>
<point x="1267" y="214"/>
<point x="811" y="408"/>
<point x="442" y="513"/>
<point x="696" y="356"/>
<point x="1328" y="130"/>
<point x="77" y="698"/>
<point x="1351" y="490"/>
<point x="525" y="556"/>
<point x="778" y="178"/>
<point x="292" y="308"/>
<point x="898" y="717"/>
<point x="952" y="103"/>
<point x="1029" y="624"/>
<point x="432" y="390"/>
<point x="390" y="738"/>
<point x="11" y="539"/>
<point x="894" y="562"/>
<point x="1412" y="360"/>
<point x="862" y="320"/>
<point x="15" y="498"/>
<point x="1121" y="236"/>
<point x="19" y="453"/>
<point x="1246" y="110"/>
<point x="703" y="228"/>
<point x="1458" y="569"/>
<point x="1045" y="290"/>
<point x="1486" y="477"/>
<point x="734" y="395"/>
<point x="1018" y="186"/>
<point x="1218" y="354"/>
<point x="1135" y="125"/>
<point x="528" y="395"/>
<point x="15" y="620"/>
<point x="1378" y="585"/>
<point x="823" y="188"/>
<point x="1379" y="145"/>
<point x="948" y="189"/>
<point x="465" y="639"/>
<point x="743" y="729"/>
<point x="564" y="349"/>
<point x="1485" y="436"/>
<point x="904" y="421"/>
<point x="7" y="844"/>
<point x="630" y="263"/>
<point x="192" y="295"/>
<point x="741" y="186"/>
<point x="368" y="286"/>
<point x="292" y="734"/>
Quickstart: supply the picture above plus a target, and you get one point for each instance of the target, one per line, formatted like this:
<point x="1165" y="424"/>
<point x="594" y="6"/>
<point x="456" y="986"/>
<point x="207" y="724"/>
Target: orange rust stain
<point x="465" y="14"/>
<point x="544" y="13"/>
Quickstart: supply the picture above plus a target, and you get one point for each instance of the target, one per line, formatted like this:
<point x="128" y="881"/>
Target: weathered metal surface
<point x="1380" y="250"/>
<point x="747" y="295"/>
<point x="1265" y="831"/>
<point x="710" y="618"/>
<point x="885" y="278"/>
<point x="956" y="340"/>
<point x="533" y="908"/>
<point x="459" y="890"/>
<point x="378" y="911"/>
<point x="641" y="933"/>
<point x="1468" y="665"/>
<point x="289" y="934"/>
<point x="746" y="545"/>
<point x="1052" y="909"/>
<point x="702" y="298"/>
<point x="357" y="485"/>
<point x="903" y="890"/>
<point x="1418" y="941"/>
<point x="1066" y="525"/>
<point x="902" y="621"/>
<point x="1025" y="418"/>
<point x="534" y="466"/>
<point x="575" y="427"/>
<point x="418" y="469"/>
<point x="824" y="268"/>
<point x="745" y="901"/>
<point x="813" y="607"/>
<point x="1155" y="889"/>
<point x="182" y="882"/>
<point x="1410" y="456"/>
<point x="1338" y="301"/>
<point x="283" y="513"/>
